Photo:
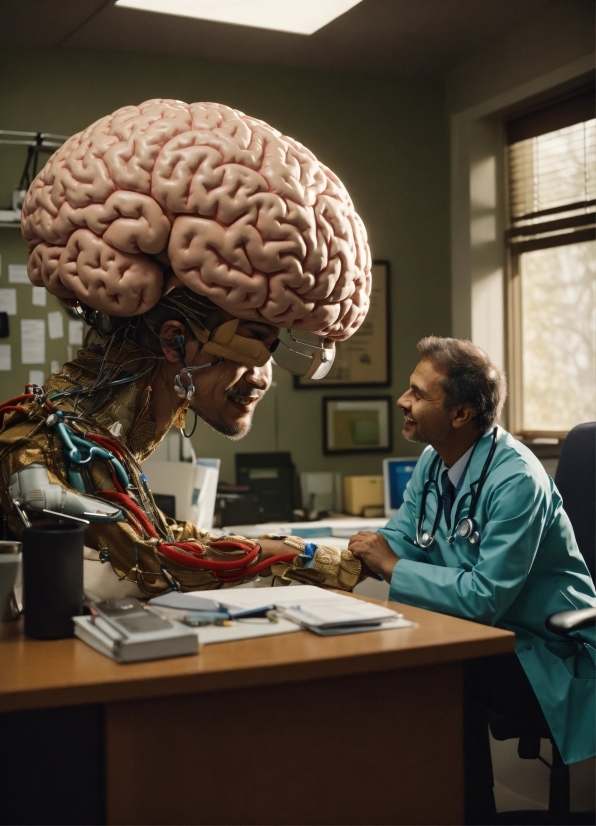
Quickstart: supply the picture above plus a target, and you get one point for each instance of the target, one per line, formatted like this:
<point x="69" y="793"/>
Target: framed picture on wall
<point x="364" y="360"/>
<point x="361" y="424"/>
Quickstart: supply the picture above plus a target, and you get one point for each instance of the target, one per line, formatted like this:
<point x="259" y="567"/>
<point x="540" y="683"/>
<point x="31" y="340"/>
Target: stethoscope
<point x="466" y="527"/>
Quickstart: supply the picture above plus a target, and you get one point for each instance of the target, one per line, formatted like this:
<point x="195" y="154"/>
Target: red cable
<point x="115" y="481"/>
<point x="254" y="569"/>
<point x="128" y="504"/>
<point x="171" y="551"/>
<point x="22" y="398"/>
<point x="104" y="442"/>
<point x="7" y="408"/>
<point x="230" y="545"/>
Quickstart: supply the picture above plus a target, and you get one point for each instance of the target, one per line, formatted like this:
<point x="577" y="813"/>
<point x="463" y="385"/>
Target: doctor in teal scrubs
<point x="482" y="535"/>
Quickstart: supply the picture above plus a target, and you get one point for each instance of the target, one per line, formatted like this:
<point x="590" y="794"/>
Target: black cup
<point x="52" y="579"/>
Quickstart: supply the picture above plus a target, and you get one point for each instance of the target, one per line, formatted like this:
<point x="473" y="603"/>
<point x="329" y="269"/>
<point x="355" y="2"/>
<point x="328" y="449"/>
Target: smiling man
<point x="482" y="535"/>
<point x="229" y="390"/>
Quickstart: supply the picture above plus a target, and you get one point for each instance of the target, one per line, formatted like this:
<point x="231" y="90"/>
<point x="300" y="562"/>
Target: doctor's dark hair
<point x="471" y="378"/>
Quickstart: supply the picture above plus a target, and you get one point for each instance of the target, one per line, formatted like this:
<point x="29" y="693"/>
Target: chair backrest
<point x="576" y="480"/>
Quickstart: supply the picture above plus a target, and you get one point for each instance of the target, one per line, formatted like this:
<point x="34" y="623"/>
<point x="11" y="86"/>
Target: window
<point x="551" y="243"/>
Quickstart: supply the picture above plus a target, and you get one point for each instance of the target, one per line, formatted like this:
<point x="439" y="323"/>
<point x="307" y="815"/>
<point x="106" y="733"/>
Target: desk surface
<point x="40" y="674"/>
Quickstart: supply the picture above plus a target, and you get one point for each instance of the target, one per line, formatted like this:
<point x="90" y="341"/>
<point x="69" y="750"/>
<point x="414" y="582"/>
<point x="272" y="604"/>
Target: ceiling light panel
<point x="296" y="16"/>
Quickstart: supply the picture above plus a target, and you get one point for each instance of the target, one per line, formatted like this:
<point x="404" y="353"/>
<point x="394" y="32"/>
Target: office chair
<point x="576" y="481"/>
<point x="530" y="729"/>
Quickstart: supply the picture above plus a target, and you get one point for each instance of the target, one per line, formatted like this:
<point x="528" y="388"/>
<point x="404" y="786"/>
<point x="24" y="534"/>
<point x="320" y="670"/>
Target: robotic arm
<point x="30" y="489"/>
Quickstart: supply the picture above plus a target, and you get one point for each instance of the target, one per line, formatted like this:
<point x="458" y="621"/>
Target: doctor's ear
<point x="462" y="414"/>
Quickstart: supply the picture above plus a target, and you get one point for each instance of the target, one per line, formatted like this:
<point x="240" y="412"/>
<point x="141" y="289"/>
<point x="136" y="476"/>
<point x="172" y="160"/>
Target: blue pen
<point x="251" y="612"/>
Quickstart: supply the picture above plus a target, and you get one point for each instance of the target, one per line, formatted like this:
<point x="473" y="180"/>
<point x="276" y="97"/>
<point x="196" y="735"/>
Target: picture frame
<point x="364" y="360"/>
<point x="357" y="424"/>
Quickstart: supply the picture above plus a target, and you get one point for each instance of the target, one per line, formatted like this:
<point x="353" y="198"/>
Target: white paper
<point x="75" y="332"/>
<point x="36" y="377"/>
<point x="17" y="274"/>
<point x="54" y="365"/>
<point x="5" y="357"/>
<point x="327" y="612"/>
<point x="261" y="597"/>
<point x="205" y="493"/>
<point x="39" y="296"/>
<point x="33" y="341"/>
<point x="172" y="479"/>
<point x="8" y="301"/>
<point x="245" y="631"/>
<point x="56" y="324"/>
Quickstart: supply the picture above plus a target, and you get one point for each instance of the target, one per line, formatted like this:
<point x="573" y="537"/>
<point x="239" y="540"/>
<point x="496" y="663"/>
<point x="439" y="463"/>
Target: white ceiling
<point x="409" y="38"/>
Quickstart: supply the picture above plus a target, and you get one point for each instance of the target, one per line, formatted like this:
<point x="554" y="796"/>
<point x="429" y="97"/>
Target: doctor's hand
<point x="375" y="552"/>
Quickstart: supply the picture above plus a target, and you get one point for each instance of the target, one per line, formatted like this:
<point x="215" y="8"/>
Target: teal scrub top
<point x="526" y="567"/>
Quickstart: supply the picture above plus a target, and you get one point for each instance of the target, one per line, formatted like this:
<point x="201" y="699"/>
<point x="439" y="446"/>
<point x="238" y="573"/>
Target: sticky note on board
<point x="39" y="296"/>
<point x="36" y="377"/>
<point x="54" y="365"/>
<point x="5" y="357"/>
<point x="17" y="274"/>
<point x="33" y="341"/>
<point x="56" y="324"/>
<point x="75" y="332"/>
<point x="8" y="301"/>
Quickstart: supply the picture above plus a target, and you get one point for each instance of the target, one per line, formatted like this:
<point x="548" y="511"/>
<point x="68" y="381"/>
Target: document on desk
<point x="321" y="611"/>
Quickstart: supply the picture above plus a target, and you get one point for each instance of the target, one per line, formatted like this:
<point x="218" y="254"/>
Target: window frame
<point x="513" y="332"/>
<point x="562" y="229"/>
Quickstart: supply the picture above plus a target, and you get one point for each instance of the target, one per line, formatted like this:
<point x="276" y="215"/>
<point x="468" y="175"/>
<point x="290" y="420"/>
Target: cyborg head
<point x="212" y="200"/>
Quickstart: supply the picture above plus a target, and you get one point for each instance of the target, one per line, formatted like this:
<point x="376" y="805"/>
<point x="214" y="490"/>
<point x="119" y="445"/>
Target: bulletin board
<point x="37" y="334"/>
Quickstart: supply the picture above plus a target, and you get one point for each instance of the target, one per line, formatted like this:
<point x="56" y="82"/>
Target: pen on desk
<point x="251" y="612"/>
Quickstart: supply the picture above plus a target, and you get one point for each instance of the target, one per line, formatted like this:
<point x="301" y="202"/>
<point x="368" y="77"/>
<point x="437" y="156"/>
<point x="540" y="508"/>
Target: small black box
<point x="239" y="509"/>
<point x="271" y="478"/>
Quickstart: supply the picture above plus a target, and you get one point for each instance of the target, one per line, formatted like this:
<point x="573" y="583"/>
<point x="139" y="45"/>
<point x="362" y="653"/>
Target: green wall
<point x="386" y="138"/>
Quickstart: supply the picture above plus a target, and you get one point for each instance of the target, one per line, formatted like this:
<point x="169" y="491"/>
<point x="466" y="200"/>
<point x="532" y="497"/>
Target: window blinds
<point x="552" y="167"/>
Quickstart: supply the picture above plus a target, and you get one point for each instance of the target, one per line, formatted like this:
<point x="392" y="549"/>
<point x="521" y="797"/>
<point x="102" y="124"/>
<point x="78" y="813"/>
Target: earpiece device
<point x="176" y="343"/>
<point x="179" y="389"/>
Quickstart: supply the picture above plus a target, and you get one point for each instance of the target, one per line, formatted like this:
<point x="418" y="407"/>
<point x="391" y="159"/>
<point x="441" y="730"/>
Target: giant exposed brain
<point x="243" y="215"/>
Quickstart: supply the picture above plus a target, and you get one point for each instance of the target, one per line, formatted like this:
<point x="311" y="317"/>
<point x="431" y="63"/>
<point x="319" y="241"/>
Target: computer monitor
<point x="396" y="475"/>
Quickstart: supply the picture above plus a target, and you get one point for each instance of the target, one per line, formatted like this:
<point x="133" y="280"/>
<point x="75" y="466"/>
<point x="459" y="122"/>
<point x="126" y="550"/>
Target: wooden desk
<point x="296" y="729"/>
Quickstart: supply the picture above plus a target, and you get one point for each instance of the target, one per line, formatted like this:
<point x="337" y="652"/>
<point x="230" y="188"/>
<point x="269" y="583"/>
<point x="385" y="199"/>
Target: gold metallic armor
<point x="331" y="566"/>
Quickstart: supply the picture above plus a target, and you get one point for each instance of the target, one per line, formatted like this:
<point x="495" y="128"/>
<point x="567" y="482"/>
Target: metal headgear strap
<point x="224" y="342"/>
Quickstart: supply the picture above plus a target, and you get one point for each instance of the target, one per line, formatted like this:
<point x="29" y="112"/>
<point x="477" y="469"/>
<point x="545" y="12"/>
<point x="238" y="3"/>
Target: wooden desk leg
<point x="367" y="749"/>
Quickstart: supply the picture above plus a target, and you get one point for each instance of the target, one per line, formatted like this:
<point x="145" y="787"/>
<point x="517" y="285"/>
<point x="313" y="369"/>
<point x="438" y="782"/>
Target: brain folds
<point x="242" y="214"/>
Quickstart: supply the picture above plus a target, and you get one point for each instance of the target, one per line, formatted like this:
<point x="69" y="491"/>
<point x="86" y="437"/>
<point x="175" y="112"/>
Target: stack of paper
<point x="323" y="612"/>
